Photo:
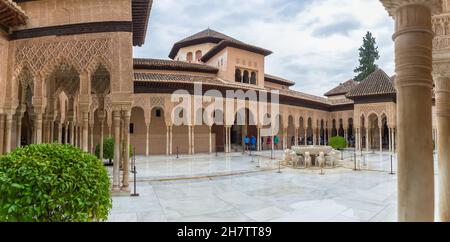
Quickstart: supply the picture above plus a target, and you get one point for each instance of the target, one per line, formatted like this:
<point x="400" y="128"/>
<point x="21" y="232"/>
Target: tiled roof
<point x="377" y="83"/>
<point x="278" y="80"/>
<point x="234" y="44"/>
<point x="158" y="64"/>
<point x="205" y="36"/>
<point x="342" y="89"/>
<point x="11" y="14"/>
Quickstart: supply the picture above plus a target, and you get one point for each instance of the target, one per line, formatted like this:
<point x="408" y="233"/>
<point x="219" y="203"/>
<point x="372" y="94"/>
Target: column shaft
<point x="116" y="168"/>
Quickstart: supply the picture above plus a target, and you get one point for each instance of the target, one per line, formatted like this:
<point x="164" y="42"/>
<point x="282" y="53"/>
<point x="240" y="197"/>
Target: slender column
<point x="314" y="136"/>
<point x="171" y="140"/>
<point x="193" y="139"/>
<point x="259" y="139"/>
<point x="66" y="137"/>
<point x="394" y="138"/>
<point x="126" y="165"/>
<point x="60" y="132"/>
<point x="91" y="142"/>
<point x="38" y="128"/>
<point x="8" y="127"/>
<point x="367" y="139"/>
<point x="381" y="138"/>
<point x="52" y="131"/>
<point x="443" y="144"/>
<point x="210" y="139"/>
<point x="102" y="127"/>
<point x="413" y="55"/>
<point x="296" y="137"/>
<point x="390" y="139"/>
<point x="357" y="139"/>
<point x="19" y="131"/>
<point x="147" y="141"/>
<point x="226" y="139"/>
<point x="190" y="139"/>
<point x="305" y="137"/>
<point x="116" y="168"/>
<point x="2" y="133"/>
<point x="85" y="132"/>
<point x="167" y="140"/>
<point x="72" y="132"/>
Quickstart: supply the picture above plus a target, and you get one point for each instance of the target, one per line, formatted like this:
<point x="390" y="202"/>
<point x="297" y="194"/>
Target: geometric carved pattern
<point x="157" y="102"/>
<point x="78" y="52"/>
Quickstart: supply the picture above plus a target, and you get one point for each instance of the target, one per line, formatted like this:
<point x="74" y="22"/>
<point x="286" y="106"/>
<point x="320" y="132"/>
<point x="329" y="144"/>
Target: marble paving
<point x="261" y="195"/>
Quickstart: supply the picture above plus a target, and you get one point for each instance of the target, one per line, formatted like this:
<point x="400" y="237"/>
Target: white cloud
<point x="315" y="43"/>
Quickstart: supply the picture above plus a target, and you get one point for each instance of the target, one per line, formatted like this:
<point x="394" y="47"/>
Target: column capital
<point x="393" y="5"/>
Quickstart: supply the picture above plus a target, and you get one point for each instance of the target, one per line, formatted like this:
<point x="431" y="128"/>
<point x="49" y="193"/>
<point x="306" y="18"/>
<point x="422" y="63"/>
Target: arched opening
<point x="334" y="131"/>
<point x="238" y="76"/>
<point x="157" y="132"/>
<point x="351" y="136"/>
<point x="138" y="130"/>
<point x="244" y="125"/>
<point x="302" y="133"/>
<point x="341" y="128"/>
<point x="189" y="57"/>
<point x="374" y="132"/>
<point x="310" y="133"/>
<point x="246" y="78"/>
<point x="218" y="130"/>
<point x="290" y="132"/>
<point x="322" y="132"/>
<point x="201" y="135"/>
<point x="253" y="78"/>
<point x="198" y="55"/>
<point x="363" y="132"/>
<point x="385" y="131"/>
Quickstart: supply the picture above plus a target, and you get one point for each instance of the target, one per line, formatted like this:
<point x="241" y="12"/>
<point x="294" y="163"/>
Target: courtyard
<point x="239" y="188"/>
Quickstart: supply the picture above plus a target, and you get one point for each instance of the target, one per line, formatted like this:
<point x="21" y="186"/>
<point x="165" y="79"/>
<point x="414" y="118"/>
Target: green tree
<point x="368" y="55"/>
<point x="338" y="142"/>
<point x="53" y="183"/>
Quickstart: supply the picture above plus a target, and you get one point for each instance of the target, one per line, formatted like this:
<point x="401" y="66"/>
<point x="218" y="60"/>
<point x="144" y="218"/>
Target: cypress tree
<point x="368" y="54"/>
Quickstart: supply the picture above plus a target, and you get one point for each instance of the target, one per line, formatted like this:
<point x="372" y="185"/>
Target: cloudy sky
<point x="315" y="42"/>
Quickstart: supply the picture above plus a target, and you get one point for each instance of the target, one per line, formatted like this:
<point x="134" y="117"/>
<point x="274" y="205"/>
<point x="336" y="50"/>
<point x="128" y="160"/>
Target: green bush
<point x="53" y="182"/>
<point x="338" y="142"/>
<point x="108" y="149"/>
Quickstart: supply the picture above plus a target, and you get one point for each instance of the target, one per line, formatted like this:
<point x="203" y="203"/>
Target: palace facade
<point x="67" y="75"/>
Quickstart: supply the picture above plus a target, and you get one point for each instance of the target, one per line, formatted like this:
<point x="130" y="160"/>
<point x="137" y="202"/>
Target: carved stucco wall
<point x="388" y="109"/>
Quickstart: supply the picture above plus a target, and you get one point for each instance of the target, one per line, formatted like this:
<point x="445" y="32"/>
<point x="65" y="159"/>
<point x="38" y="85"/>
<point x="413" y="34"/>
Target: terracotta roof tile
<point x="342" y="89"/>
<point x="158" y="64"/>
<point x="377" y="83"/>
<point x="234" y="44"/>
<point x="278" y="80"/>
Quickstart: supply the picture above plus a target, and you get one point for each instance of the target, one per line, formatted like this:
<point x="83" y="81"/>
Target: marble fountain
<point x="311" y="156"/>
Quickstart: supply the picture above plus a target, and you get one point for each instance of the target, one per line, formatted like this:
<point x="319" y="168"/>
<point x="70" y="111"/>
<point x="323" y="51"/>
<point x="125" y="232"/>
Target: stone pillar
<point x="60" y="132"/>
<point x="38" y="128"/>
<point x="102" y="127"/>
<point x="390" y="139"/>
<point x="91" y="142"/>
<point x="193" y="139"/>
<point x="189" y="139"/>
<point x="381" y="138"/>
<point x="2" y="132"/>
<point x="413" y="55"/>
<point x="443" y="144"/>
<point x="171" y="140"/>
<point x="116" y="168"/>
<point x="306" y="137"/>
<point x="147" y="139"/>
<point x="126" y="165"/>
<point x="85" y="132"/>
<point x="66" y="137"/>
<point x="357" y="139"/>
<point x="367" y="140"/>
<point x="19" y="131"/>
<point x="167" y="139"/>
<point x="52" y="131"/>
<point x="72" y="132"/>
<point x="226" y="140"/>
<point x="8" y="131"/>
<point x="210" y="139"/>
<point x="258" y="141"/>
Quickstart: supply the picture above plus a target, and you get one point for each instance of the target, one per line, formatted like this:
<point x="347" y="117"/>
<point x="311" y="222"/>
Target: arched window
<point x="189" y="56"/>
<point x="246" y="77"/>
<point x="198" y="55"/>
<point x="238" y="76"/>
<point x="253" y="78"/>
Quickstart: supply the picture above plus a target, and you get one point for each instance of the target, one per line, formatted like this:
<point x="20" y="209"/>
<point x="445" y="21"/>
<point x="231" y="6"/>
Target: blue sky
<point x="315" y="42"/>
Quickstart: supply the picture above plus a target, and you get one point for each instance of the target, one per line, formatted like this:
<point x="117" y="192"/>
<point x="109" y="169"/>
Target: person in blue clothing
<point x="246" y="141"/>
<point x="253" y="141"/>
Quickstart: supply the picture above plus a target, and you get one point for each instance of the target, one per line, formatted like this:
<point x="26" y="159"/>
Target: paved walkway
<point x="257" y="194"/>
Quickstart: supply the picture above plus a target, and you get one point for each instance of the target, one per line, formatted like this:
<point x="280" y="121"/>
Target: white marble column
<point x="189" y="139"/>
<point x="19" y="130"/>
<point x="126" y="165"/>
<point x="167" y="140"/>
<point x="170" y="140"/>
<point x="2" y="133"/>
<point x="116" y="166"/>
<point x="413" y="56"/>
<point x="193" y="139"/>
<point x="147" y="140"/>
<point x="210" y="139"/>
<point x="92" y="146"/>
<point x="8" y="131"/>
<point x="443" y="144"/>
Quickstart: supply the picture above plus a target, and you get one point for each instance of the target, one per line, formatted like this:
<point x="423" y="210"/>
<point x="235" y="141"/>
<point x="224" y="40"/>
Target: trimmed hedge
<point x="338" y="142"/>
<point x="53" y="182"/>
<point x="108" y="149"/>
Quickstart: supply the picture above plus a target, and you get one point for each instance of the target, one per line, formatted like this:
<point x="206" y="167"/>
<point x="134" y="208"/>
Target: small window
<point x="131" y="128"/>
<point x="198" y="55"/>
<point x="189" y="56"/>
<point x="158" y="113"/>
<point x="238" y="76"/>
